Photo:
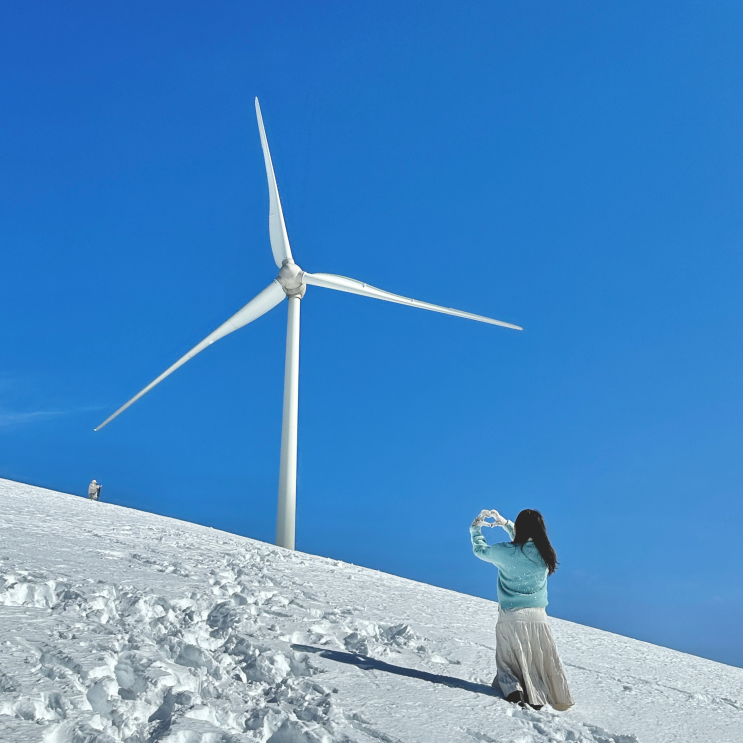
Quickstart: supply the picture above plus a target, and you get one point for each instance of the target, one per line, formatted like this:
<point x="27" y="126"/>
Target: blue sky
<point x="574" y="168"/>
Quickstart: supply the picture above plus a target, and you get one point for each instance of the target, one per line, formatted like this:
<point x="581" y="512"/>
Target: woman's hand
<point x="498" y="520"/>
<point x="480" y="519"/>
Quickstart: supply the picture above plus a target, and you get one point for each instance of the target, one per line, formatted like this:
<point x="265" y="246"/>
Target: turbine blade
<point x="344" y="284"/>
<point x="276" y="225"/>
<point x="259" y="305"/>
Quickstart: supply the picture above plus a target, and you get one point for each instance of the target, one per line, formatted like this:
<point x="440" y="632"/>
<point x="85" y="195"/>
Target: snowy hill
<point x="118" y="625"/>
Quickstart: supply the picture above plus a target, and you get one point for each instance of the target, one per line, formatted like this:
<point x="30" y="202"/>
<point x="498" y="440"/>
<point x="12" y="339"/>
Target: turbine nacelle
<point x="291" y="278"/>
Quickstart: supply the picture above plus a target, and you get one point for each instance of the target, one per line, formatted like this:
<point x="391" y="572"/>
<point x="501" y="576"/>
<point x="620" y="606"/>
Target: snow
<point x="119" y="625"/>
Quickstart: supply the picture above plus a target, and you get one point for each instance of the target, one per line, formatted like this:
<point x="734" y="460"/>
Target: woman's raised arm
<point x="480" y="547"/>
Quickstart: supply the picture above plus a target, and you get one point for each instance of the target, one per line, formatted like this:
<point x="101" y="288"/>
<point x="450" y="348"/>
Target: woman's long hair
<point x="530" y="525"/>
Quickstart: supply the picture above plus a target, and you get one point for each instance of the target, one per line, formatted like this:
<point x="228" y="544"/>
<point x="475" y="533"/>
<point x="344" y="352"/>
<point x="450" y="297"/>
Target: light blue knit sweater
<point x="522" y="575"/>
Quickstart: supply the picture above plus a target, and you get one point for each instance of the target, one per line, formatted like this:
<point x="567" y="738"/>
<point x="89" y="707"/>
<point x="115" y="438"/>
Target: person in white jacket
<point x="94" y="490"/>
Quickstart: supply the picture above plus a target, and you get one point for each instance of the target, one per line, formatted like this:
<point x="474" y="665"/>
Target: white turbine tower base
<point x="292" y="283"/>
<point x="285" y="517"/>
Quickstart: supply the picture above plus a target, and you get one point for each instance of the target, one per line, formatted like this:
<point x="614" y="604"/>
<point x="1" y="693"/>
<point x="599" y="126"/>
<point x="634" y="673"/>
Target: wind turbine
<point x="291" y="283"/>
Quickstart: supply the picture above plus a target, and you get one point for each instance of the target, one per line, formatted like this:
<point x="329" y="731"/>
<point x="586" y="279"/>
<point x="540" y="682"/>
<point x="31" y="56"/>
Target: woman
<point x="529" y="670"/>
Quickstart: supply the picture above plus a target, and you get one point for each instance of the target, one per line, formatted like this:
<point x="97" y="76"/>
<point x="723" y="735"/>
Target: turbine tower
<point x="291" y="283"/>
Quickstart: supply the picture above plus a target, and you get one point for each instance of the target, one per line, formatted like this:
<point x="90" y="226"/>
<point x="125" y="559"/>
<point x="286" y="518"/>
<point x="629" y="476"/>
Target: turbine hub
<point x="291" y="278"/>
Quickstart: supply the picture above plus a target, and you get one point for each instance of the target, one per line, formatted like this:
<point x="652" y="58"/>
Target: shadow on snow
<point x="371" y="664"/>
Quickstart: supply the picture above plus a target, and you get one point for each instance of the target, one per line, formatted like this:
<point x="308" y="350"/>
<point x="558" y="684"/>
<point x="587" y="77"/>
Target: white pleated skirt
<point x="526" y="658"/>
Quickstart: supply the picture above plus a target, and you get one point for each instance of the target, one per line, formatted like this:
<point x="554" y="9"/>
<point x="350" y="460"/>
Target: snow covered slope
<point x="118" y="625"/>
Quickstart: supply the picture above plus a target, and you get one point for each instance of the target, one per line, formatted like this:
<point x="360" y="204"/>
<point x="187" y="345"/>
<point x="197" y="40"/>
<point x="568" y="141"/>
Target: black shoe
<point x="516" y="697"/>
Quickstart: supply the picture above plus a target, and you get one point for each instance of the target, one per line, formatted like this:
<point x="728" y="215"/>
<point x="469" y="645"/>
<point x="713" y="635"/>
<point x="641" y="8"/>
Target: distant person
<point x="94" y="490"/>
<point x="529" y="670"/>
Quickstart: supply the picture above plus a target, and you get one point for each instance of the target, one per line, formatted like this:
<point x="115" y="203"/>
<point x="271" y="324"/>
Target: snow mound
<point x="118" y="625"/>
